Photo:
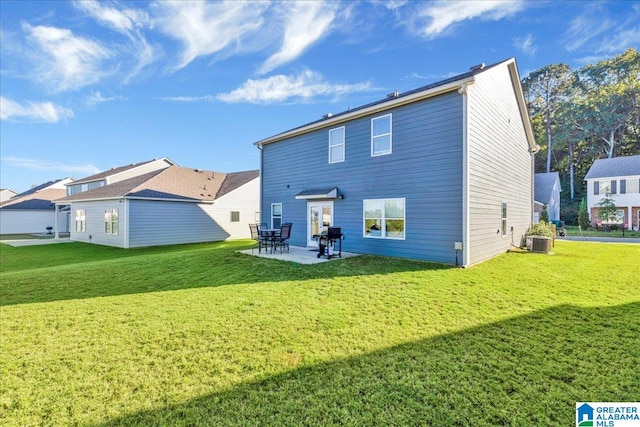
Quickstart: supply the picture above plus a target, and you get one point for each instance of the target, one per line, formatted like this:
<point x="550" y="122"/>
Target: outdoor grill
<point x="327" y="241"/>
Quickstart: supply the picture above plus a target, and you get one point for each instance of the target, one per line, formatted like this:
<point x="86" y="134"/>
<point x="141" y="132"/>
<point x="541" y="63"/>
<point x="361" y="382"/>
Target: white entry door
<point x="319" y="215"/>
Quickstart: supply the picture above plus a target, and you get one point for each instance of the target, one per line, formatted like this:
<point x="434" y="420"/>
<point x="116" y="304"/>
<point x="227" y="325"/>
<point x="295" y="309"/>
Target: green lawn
<point x="575" y="231"/>
<point x="202" y="335"/>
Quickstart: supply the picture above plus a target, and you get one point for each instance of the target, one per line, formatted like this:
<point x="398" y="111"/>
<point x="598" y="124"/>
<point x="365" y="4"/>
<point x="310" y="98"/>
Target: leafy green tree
<point x="607" y="211"/>
<point x="583" y="215"/>
<point x="609" y="94"/>
<point x="545" y="90"/>
<point x="544" y="215"/>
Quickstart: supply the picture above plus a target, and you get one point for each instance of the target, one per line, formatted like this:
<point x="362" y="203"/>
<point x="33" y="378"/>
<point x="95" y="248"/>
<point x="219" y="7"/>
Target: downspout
<point x="56" y="235"/>
<point x="466" y="226"/>
<point x="261" y="182"/>
<point x="533" y="152"/>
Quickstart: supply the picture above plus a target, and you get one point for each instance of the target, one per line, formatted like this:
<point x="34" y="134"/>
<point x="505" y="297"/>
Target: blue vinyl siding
<point x="425" y="168"/>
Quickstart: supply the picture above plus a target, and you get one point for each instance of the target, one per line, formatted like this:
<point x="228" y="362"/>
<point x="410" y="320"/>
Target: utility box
<point x="540" y="244"/>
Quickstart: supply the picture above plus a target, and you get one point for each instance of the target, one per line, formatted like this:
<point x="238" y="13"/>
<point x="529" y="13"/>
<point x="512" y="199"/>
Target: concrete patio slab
<point x="297" y="254"/>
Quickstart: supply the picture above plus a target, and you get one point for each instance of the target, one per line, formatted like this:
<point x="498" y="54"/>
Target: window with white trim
<point x="336" y="145"/>
<point x="381" y="135"/>
<point x="111" y="221"/>
<point x="276" y="215"/>
<point x="503" y="226"/>
<point x="384" y="218"/>
<point x="81" y="224"/>
<point x="632" y="185"/>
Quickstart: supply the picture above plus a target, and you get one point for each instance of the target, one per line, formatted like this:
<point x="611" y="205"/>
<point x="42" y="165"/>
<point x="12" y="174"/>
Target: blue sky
<point x="87" y="86"/>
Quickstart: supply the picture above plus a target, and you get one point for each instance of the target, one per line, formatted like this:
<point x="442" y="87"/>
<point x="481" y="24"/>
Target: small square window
<point x="235" y="216"/>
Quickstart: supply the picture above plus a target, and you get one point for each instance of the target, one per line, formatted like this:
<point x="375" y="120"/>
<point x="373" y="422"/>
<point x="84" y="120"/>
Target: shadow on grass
<point x="528" y="370"/>
<point x="79" y="270"/>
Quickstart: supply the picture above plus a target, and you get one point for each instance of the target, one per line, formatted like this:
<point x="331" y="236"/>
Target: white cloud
<point x="282" y="88"/>
<point x="33" y="111"/>
<point x="205" y="98"/>
<point x="64" y="61"/>
<point x="47" y="165"/>
<point x="525" y="44"/>
<point x="596" y="30"/>
<point x="306" y="23"/>
<point x="124" y="21"/>
<point x="432" y="19"/>
<point x="128" y="22"/>
<point x="208" y="28"/>
<point x="96" y="98"/>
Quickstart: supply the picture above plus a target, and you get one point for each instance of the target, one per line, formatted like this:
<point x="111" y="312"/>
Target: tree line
<point x="582" y="115"/>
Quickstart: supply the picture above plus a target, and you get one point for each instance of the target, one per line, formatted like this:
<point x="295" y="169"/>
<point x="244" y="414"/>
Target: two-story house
<point x="441" y="173"/>
<point x="619" y="177"/>
<point x="168" y="205"/>
<point x="547" y="193"/>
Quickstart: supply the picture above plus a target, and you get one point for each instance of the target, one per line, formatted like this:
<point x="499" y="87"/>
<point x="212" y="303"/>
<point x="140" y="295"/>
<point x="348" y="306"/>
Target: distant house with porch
<point x="169" y="205"/>
<point x="547" y="192"/>
<point x="619" y="177"/>
<point x="441" y="173"/>
<point x="34" y="210"/>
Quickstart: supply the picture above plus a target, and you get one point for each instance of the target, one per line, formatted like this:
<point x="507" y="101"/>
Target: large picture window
<point x="276" y="215"/>
<point x="111" y="221"/>
<point x="81" y="224"/>
<point x="336" y="145"/>
<point x="384" y="218"/>
<point x="381" y="135"/>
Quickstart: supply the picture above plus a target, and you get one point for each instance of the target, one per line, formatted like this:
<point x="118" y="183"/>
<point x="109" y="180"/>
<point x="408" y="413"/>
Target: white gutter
<point x="155" y="199"/>
<point x="392" y="103"/>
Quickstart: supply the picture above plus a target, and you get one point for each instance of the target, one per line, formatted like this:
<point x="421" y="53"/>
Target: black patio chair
<point x="283" y="239"/>
<point x="257" y="236"/>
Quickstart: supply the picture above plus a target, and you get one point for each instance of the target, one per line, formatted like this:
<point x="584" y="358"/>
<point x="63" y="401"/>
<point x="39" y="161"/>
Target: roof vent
<point x="477" y="67"/>
<point x="393" y="94"/>
<point x="326" y="116"/>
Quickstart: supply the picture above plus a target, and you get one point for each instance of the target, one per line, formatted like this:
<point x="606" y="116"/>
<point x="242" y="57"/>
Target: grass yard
<point x="575" y="231"/>
<point x="202" y="335"/>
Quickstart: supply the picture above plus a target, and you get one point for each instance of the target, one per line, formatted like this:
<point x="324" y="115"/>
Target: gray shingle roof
<point x="174" y="182"/>
<point x="40" y="200"/>
<point x="113" y="171"/>
<point x="544" y="186"/>
<point x="616" y="166"/>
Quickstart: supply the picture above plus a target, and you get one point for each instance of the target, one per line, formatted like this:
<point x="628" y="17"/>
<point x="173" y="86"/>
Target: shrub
<point x="542" y="229"/>
<point x="544" y="215"/>
<point x="583" y="215"/>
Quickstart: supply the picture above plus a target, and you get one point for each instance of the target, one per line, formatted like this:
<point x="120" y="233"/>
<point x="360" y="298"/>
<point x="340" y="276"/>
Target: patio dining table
<point x="270" y="235"/>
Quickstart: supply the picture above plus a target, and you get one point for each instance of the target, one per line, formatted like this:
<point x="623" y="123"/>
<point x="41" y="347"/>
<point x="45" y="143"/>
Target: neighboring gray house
<point x="441" y="173"/>
<point x="547" y="192"/>
<point x="34" y="210"/>
<point x="110" y="176"/>
<point x="619" y="176"/>
<point x="171" y="205"/>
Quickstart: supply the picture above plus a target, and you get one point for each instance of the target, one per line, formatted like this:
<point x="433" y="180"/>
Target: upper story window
<point x="632" y="185"/>
<point x="381" y="135"/>
<point x="601" y="187"/>
<point x="336" y="145"/>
